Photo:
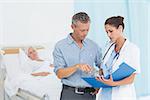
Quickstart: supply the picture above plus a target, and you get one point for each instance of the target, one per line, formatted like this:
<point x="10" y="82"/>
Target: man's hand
<point x="84" y="67"/>
<point x="66" y="72"/>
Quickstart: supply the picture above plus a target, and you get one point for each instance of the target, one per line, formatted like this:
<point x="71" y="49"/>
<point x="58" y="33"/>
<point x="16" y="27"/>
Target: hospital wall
<point x="24" y="22"/>
<point x="27" y="22"/>
<point x="1" y="33"/>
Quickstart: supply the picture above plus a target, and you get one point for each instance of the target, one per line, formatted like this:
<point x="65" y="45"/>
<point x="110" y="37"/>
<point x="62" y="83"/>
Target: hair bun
<point x="115" y="21"/>
<point x="120" y="18"/>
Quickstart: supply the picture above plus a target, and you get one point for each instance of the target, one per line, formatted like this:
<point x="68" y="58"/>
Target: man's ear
<point x="72" y="26"/>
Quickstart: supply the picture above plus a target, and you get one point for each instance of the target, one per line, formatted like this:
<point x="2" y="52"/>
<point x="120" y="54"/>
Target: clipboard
<point x="122" y="72"/>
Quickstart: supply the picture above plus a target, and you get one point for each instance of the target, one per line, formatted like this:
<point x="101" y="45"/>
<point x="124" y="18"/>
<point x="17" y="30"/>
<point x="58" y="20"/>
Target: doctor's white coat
<point x="129" y="54"/>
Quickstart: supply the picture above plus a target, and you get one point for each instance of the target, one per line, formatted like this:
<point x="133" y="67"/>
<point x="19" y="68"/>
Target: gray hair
<point x="82" y="17"/>
<point x="25" y="49"/>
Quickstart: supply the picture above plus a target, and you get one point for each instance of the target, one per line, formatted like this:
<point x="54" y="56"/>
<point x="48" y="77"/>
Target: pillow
<point x="46" y="53"/>
<point x="28" y="66"/>
<point x="23" y="59"/>
<point x="12" y="65"/>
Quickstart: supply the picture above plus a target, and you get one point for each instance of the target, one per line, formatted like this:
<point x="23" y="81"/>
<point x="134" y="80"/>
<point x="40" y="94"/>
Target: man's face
<point x="81" y="30"/>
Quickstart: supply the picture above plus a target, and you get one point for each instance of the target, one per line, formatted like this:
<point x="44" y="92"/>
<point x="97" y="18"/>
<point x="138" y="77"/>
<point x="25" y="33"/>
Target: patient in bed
<point x="28" y="71"/>
<point x="44" y="79"/>
<point x="33" y="55"/>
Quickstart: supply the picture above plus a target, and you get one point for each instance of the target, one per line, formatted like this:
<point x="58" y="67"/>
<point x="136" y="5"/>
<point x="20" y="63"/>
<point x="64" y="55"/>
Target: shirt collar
<point x="125" y="44"/>
<point x="71" y="40"/>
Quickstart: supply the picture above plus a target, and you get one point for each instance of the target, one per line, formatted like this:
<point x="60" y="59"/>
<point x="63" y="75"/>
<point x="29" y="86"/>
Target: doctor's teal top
<point x="67" y="53"/>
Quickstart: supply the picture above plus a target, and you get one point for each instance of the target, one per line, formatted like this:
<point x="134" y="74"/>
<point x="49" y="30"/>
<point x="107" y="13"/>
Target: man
<point x="74" y="57"/>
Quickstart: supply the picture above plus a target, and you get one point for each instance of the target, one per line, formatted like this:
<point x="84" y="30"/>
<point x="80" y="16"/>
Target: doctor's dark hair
<point x="115" y="21"/>
<point x="82" y="17"/>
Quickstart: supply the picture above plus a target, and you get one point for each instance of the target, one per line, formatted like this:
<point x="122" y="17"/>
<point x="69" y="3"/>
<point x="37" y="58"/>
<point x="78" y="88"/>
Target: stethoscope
<point x="114" y="60"/>
<point x="107" y="51"/>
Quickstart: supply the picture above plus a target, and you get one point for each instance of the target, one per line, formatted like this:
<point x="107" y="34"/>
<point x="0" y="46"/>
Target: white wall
<point x="1" y="33"/>
<point x="34" y="21"/>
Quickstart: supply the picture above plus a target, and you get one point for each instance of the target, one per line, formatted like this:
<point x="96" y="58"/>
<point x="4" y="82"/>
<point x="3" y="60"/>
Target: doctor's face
<point x="112" y="32"/>
<point x="81" y="30"/>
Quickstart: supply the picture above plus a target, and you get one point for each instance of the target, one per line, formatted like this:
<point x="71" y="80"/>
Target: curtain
<point x="135" y="13"/>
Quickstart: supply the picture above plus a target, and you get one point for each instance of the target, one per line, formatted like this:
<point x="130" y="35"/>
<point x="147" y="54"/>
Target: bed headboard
<point x="15" y="50"/>
<point x="44" y="51"/>
<point x="11" y="51"/>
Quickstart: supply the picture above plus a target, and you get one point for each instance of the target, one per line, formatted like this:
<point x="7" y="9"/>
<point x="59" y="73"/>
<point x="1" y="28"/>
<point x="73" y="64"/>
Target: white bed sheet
<point x="49" y="85"/>
<point x="40" y="86"/>
<point x="144" y="97"/>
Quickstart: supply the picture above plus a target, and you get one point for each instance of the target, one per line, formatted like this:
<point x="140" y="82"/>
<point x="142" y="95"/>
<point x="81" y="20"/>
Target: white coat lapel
<point x="121" y="56"/>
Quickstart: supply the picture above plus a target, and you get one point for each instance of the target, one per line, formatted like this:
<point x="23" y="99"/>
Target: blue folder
<point x="122" y="72"/>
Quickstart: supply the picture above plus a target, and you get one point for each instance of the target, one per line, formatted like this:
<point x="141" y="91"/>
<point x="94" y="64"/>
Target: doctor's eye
<point x="110" y="31"/>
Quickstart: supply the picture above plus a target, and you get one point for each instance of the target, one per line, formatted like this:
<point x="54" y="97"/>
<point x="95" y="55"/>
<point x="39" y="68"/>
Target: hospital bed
<point x="21" y="94"/>
<point x="2" y="76"/>
<point x="11" y="54"/>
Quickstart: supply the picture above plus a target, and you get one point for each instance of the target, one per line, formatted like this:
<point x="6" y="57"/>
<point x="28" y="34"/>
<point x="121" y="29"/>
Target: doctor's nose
<point x="109" y="34"/>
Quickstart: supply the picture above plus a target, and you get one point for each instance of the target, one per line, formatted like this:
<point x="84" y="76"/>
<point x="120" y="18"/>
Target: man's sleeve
<point x="98" y="56"/>
<point x="59" y="61"/>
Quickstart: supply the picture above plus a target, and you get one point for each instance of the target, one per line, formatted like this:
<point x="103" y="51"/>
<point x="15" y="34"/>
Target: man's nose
<point x="85" y="33"/>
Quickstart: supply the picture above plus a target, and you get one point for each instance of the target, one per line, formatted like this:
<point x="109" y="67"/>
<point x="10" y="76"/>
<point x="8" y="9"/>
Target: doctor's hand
<point x="109" y="81"/>
<point x="95" y="92"/>
<point x="84" y="67"/>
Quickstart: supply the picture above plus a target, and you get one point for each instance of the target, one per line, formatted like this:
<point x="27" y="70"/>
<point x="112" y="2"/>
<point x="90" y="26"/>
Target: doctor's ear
<point x="120" y="28"/>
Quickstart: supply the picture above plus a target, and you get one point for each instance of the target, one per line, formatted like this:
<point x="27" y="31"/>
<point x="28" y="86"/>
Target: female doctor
<point x="119" y="50"/>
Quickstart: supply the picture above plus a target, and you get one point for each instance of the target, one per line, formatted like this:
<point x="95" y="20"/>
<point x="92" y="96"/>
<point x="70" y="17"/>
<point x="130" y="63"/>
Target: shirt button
<point x="81" y="60"/>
